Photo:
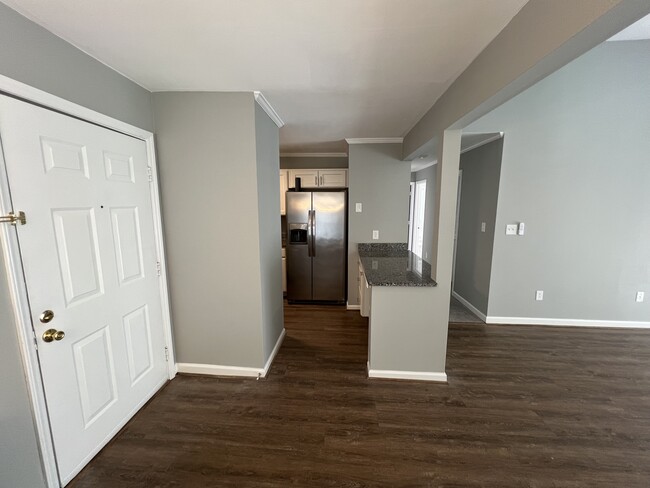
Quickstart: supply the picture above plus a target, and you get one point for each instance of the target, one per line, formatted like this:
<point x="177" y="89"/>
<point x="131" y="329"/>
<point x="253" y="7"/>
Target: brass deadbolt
<point x="46" y="316"/>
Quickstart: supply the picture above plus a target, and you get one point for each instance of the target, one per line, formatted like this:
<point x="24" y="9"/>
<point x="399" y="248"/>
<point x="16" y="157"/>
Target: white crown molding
<point x="483" y="143"/>
<point x="621" y="324"/>
<point x="266" y="106"/>
<point x="314" y="155"/>
<point x="376" y="140"/>
<point x="469" y="306"/>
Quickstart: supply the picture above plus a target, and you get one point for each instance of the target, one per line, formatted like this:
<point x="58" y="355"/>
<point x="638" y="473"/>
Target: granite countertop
<point x="393" y="265"/>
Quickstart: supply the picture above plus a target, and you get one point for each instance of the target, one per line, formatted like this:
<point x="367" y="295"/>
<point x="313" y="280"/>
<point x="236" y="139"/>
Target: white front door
<point x="89" y="255"/>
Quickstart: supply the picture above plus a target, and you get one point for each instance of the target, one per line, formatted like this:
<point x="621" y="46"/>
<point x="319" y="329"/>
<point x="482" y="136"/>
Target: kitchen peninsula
<point x="401" y="334"/>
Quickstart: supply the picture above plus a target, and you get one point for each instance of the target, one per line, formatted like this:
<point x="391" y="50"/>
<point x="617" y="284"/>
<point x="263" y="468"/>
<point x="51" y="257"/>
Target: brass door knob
<point x="53" y="335"/>
<point x="46" y="316"/>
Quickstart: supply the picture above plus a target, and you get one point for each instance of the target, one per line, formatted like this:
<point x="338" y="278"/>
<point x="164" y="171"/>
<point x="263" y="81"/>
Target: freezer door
<point x="329" y="249"/>
<point x="298" y="247"/>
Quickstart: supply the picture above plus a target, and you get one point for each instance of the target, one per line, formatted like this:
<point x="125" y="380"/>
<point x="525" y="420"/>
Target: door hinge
<point x="149" y="173"/>
<point x="158" y="268"/>
<point x="35" y="342"/>
<point x="14" y="219"/>
<point x="166" y="354"/>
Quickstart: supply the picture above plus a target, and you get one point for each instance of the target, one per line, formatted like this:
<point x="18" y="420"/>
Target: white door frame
<point x="411" y="211"/>
<point x="17" y="285"/>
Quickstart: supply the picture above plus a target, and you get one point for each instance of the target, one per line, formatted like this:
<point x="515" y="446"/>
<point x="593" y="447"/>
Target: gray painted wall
<point x="575" y="170"/>
<point x="20" y="464"/>
<point x="378" y="179"/>
<point x="267" y="145"/>
<point x="478" y="203"/>
<point x="313" y="163"/>
<point x="208" y="167"/>
<point x="428" y="174"/>
<point x="35" y="56"/>
<point x="32" y="55"/>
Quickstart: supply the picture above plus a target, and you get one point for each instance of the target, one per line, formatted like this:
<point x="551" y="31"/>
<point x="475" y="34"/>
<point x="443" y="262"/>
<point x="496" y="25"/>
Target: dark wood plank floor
<point x="525" y="407"/>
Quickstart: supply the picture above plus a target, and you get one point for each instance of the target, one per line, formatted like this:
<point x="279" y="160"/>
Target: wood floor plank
<point x="525" y="406"/>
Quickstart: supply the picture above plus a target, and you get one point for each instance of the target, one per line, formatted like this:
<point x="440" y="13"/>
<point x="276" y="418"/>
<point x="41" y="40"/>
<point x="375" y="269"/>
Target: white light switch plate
<point x="511" y="229"/>
<point x="358" y="208"/>
<point x="482" y="226"/>
<point x="640" y="296"/>
<point x="375" y="234"/>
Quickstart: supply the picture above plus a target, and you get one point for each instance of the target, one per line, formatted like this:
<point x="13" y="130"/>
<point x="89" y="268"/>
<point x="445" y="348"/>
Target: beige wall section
<point x="208" y="174"/>
<point x="379" y="180"/>
<point x="267" y="144"/>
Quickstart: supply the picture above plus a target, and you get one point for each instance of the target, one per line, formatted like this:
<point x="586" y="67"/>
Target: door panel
<point x="329" y="270"/>
<point x="89" y="255"/>
<point x="298" y="243"/>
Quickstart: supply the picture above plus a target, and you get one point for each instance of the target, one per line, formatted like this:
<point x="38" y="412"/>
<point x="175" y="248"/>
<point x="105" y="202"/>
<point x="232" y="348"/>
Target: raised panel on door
<point x="89" y="255"/>
<point x="308" y="178"/>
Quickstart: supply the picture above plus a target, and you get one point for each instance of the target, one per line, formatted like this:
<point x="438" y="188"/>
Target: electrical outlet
<point x="511" y="229"/>
<point x="539" y="295"/>
<point x="358" y="208"/>
<point x="375" y="264"/>
<point x="482" y="226"/>
<point x="375" y="234"/>
<point x="640" y="296"/>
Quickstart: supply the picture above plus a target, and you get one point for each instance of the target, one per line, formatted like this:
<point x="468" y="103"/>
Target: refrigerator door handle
<point x="313" y="233"/>
<point x="310" y="235"/>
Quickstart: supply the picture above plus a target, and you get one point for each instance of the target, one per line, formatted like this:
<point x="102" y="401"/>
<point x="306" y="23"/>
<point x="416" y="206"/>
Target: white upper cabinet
<point x="308" y="178"/>
<point x="284" y="185"/>
<point x="333" y="178"/>
<point x="319" y="178"/>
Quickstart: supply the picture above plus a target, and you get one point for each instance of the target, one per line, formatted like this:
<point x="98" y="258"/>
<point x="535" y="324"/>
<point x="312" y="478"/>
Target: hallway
<point x="525" y="406"/>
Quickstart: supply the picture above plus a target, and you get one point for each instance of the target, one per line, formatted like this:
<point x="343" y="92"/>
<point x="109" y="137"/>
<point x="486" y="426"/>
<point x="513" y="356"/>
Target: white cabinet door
<point x="333" y="178"/>
<point x="284" y="179"/>
<point x="89" y="255"/>
<point x="308" y="178"/>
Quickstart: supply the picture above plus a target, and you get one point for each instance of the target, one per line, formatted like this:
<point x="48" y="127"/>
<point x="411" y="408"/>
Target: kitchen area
<point x="344" y="234"/>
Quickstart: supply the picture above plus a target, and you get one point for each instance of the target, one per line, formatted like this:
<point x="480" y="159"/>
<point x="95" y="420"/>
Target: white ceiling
<point x="331" y="68"/>
<point x="637" y="31"/>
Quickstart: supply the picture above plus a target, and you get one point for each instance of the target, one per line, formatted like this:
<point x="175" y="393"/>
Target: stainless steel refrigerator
<point x="316" y="246"/>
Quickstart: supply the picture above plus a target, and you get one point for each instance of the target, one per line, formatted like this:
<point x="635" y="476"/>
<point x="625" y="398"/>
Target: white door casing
<point x="89" y="254"/>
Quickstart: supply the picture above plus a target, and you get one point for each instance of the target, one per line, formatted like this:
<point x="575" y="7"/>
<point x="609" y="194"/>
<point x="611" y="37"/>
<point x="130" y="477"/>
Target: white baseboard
<point x="623" y="324"/>
<point x="353" y="307"/>
<point x="274" y="352"/>
<point x="407" y="375"/>
<point x="470" y="307"/>
<point x="219" y="370"/>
